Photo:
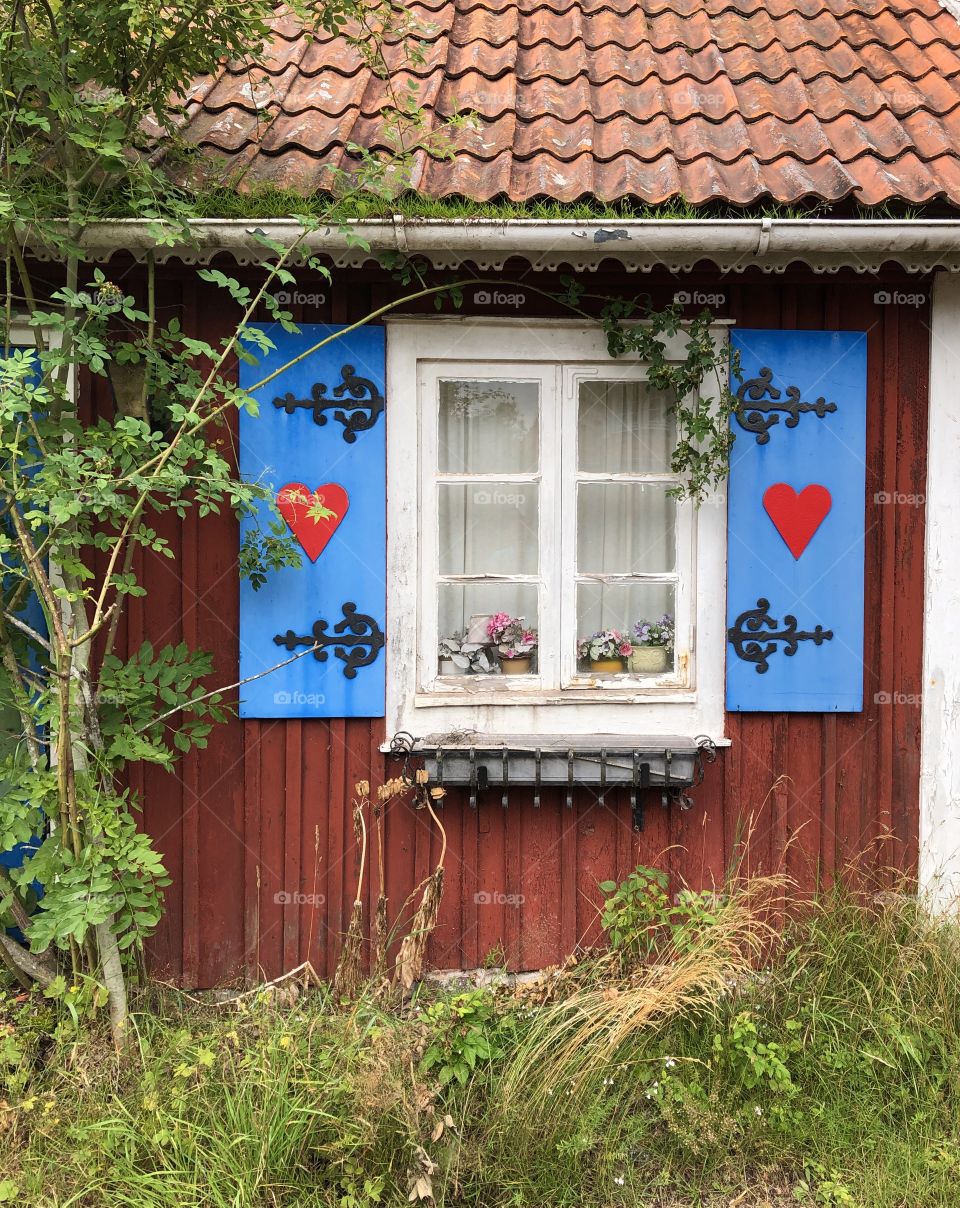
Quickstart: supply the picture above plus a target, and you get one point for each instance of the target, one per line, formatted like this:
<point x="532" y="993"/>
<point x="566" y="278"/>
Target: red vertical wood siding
<point x="263" y="815"/>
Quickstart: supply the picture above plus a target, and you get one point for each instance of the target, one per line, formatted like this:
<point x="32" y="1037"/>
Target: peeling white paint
<point x="940" y="758"/>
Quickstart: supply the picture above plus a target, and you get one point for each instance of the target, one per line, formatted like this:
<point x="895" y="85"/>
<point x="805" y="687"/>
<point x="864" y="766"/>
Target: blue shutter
<point x="319" y="441"/>
<point x="32" y="614"/>
<point x="796" y="523"/>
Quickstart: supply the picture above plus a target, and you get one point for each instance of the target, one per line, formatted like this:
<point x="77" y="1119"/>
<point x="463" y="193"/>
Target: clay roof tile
<point x="738" y="101"/>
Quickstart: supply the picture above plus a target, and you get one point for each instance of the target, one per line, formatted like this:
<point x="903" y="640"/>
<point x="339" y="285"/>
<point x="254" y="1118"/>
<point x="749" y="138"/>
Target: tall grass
<point x="575" y="1042"/>
<point x="820" y="1066"/>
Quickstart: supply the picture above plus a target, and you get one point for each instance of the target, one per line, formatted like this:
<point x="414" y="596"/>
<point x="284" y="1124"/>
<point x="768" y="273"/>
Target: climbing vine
<point x="703" y="402"/>
<point x="697" y="384"/>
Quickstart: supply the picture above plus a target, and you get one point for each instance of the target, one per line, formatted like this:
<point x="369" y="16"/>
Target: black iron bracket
<point x="755" y="636"/>
<point x="639" y="784"/>
<point x="760" y="401"/>
<point x="357" y="413"/>
<point x="600" y="769"/>
<point x="357" y="640"/>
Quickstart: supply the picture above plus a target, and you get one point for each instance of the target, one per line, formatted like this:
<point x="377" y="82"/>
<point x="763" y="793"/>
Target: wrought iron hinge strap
<point x="357" y="640"/>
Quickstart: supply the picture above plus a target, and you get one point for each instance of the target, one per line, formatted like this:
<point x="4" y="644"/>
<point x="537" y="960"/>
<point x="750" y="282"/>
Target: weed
<point x="461" y="1036"/>
<point x="640" y="919"/>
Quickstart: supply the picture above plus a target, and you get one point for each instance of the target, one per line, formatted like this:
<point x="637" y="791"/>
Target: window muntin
<point x="572" y="535"/>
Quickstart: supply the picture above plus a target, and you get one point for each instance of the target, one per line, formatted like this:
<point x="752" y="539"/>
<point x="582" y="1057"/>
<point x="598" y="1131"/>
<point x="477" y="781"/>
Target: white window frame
<point x="685" y="702"/>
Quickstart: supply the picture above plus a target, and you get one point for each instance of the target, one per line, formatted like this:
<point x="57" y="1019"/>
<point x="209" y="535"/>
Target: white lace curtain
<point x="490" y="525"/>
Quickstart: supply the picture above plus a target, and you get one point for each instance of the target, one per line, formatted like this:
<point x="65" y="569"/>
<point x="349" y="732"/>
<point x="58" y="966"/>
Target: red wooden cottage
<point x="784" y="688"/>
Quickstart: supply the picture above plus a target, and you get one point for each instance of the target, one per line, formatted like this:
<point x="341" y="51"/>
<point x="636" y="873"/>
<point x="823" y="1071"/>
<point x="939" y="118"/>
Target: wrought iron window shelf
<point x="669" y="765"/>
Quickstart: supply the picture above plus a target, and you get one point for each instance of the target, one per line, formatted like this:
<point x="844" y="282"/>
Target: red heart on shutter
<point x="797" y="517"/>
<point x="313" y="516"/>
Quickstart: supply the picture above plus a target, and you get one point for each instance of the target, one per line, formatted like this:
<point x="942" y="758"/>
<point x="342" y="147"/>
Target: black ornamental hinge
<point x="357" y="640"/>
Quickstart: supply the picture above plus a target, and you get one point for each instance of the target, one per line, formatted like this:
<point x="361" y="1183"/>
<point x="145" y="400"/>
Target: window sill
<point x="552" y="715"/>
<point x="622" y="694"/>
<point x="464" y="740"/>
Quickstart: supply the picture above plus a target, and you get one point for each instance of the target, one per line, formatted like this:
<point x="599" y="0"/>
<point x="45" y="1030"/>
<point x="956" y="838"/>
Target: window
<point x="529" y="479"/>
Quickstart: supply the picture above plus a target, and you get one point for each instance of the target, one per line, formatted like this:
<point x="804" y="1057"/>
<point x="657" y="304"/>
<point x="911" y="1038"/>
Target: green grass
<point x="266" y="201"/>
<point x="830" y="1075"/>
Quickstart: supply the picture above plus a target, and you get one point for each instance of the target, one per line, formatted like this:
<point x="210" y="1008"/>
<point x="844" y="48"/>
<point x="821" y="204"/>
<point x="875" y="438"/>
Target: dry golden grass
<point x="576" y="1039"/>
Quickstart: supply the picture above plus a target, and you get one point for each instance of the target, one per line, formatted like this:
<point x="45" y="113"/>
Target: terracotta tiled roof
<point x="709" y="100"/>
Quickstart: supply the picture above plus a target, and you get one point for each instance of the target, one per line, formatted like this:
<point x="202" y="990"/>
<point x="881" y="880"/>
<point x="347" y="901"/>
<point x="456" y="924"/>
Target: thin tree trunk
<point x="25" y="960"/>
<point x="112" y="970"/>
<point x="16" y="972"/>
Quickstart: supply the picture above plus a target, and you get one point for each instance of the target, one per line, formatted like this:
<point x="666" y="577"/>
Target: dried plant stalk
<point x="413" y="949"/>
<point x="348" y="978"/>
<point x="380" y="918"/>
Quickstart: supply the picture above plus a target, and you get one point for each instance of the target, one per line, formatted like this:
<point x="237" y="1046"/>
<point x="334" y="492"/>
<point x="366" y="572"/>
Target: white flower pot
<point x="477" y="629"/>
<point x="648" y="660"/>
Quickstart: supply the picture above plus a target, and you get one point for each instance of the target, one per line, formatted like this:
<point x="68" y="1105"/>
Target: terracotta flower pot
<point x="648" y="659"/>
<point x="518" y="666"/>
<point x="608" y="665"/>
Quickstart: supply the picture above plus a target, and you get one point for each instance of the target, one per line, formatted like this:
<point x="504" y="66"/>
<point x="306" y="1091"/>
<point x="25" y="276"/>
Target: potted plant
<point x="514" y="641"/>
<point x="606" y="649"/>
<point x="460" y="657"/>
<point x="481" y="660"/>
<point x="454" y="659"/>
<point x="652" y="645"/>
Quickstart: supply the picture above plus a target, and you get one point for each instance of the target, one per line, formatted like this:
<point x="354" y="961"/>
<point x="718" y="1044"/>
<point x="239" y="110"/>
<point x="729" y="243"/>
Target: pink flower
<point x="497" y="622"/>
<point x="626" y="648"/>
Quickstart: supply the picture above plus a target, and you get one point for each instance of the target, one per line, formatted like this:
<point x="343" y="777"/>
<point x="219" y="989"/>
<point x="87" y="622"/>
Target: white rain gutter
<point x="638" y="245"/>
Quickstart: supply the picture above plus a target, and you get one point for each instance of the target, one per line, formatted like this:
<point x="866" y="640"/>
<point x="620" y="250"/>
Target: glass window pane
<point x="625" y="528"/>
<point x="489" y="427"/>
<point x="627" y="607"/>
<point x="489" y="528"/>
<point x="624" y="428"/>
<point x="464" y="612"/>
